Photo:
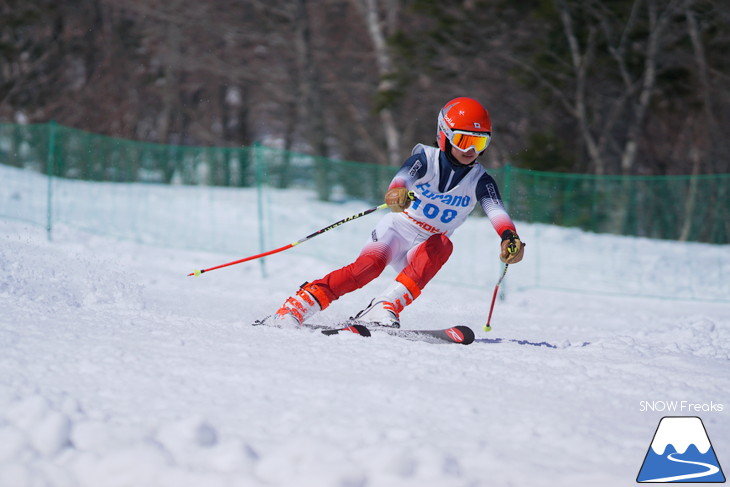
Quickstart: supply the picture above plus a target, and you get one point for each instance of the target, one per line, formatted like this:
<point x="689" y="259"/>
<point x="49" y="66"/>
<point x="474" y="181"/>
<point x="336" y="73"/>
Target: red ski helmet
<point x="465" y="123"/>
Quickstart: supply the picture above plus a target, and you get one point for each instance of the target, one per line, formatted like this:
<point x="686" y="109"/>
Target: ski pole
<point x="488" y="326"/>
<point x="512" y="249"/>
<point x="302" y="240"/>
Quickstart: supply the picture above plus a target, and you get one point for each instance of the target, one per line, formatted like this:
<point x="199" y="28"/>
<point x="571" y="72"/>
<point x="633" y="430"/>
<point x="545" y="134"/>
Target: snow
<point x="118" y="370"/>
<point x="680" y="433"/>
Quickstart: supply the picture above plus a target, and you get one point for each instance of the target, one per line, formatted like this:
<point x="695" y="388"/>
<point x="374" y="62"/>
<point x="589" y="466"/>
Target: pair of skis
<point x="456" y="334"/>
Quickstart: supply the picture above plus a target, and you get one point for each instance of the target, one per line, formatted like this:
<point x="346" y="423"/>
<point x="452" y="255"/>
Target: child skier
<point x="430" y="196"/>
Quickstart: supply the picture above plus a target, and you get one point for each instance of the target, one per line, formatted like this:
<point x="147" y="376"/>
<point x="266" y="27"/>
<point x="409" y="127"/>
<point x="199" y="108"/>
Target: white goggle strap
<point x="445" y="127"/>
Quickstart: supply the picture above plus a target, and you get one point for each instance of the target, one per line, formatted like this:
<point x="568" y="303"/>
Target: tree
<point x="379" y="30"/>
<point x="608" y="84"/>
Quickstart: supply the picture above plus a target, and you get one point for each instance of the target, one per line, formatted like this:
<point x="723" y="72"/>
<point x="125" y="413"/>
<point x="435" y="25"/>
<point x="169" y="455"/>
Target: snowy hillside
<point x="117" y="370"/>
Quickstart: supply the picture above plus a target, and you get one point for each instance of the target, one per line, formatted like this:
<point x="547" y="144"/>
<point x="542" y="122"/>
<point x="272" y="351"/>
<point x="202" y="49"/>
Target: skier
<point x="430" y="196"/>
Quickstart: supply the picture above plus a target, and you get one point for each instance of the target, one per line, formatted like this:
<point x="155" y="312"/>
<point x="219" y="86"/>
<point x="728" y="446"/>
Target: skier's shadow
<point x="526" y="342"/>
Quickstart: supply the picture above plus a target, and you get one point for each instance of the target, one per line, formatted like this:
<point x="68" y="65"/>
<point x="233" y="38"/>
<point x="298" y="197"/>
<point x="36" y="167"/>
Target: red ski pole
<point x="285" y="247"/>
<point x="512" y="249"/>
<point x="488" y="326"/>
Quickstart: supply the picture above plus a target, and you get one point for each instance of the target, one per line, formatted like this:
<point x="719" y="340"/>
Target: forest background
<point x="625" y="87"/>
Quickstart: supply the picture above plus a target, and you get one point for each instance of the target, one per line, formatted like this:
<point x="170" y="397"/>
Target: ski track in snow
<point x="117" y="370"/>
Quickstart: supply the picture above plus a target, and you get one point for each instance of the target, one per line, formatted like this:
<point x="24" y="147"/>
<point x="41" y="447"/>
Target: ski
<point x="456" y="334"/>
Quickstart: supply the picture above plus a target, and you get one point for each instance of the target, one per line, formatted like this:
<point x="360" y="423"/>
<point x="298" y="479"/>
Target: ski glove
<point x="398" y="199"/>
<point x="512" y="248"/>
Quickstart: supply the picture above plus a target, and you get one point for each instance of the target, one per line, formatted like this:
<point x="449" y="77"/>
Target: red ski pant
<point x="423" y="262"/>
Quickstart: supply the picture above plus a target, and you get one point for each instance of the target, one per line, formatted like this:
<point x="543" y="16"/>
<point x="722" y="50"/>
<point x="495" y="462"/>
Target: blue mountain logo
<point x="681" y="452"/>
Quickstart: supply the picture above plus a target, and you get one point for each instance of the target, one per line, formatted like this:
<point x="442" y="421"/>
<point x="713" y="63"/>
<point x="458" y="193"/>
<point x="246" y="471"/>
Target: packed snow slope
<point x="118" y="370"/>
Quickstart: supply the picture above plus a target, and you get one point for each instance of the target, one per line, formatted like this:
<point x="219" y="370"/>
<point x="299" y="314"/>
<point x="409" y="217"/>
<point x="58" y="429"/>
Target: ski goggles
<point x="466" y="140"/>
